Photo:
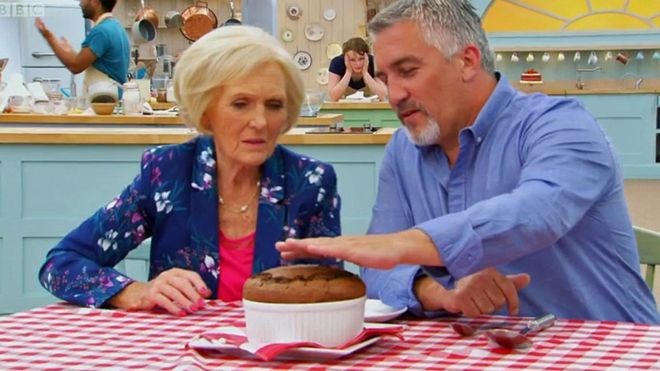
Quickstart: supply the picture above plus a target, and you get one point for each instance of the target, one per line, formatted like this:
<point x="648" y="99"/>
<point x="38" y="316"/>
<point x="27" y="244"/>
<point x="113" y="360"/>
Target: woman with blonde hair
<point x="213" y="206"/>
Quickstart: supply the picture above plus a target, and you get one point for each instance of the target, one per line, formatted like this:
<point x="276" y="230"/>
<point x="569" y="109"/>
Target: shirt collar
<point x="102" y="18"/>
<point x="495" y="105"/>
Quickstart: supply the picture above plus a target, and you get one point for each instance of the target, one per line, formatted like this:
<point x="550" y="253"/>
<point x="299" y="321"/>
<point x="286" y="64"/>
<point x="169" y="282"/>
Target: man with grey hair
<point x="488" y="197"/>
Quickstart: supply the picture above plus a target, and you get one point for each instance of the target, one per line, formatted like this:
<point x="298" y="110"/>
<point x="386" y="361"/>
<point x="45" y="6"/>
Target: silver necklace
<point x="243" y="208"/>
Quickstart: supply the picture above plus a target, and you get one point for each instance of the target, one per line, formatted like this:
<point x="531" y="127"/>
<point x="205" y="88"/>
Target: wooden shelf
<point x="570" y="48"/>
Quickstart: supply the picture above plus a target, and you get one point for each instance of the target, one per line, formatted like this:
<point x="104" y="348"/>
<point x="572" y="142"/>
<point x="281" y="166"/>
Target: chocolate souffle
<point x="300" y="284"/>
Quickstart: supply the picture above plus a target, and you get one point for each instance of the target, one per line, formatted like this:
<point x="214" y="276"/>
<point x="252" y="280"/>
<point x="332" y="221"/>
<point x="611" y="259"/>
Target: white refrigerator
<point x="64" y="19"/>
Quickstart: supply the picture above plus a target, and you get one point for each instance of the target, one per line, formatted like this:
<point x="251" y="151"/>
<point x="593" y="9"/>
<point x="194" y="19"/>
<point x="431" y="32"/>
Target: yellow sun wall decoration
<point x="571" y="15"/>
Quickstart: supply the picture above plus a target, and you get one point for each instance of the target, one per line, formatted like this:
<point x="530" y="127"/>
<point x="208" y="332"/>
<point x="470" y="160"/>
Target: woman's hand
<point x="178" y="291"/>
<point x="347" y="62"/>
<point x="365" y="66"/>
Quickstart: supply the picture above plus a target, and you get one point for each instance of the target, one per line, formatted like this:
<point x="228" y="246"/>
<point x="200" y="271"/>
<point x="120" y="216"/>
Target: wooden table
<point x="324" y="119"/>
<point x="65" y="337"/>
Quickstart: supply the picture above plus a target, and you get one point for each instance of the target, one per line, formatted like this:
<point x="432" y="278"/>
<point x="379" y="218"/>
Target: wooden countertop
<point x="324" y="119"/>
<point x="42" y="134"/>
<point x="356" y="106"/>
<point x="549" y="89"/>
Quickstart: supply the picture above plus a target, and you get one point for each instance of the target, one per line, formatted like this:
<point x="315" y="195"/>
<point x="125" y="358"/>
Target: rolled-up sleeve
<point x="566" y="165"/>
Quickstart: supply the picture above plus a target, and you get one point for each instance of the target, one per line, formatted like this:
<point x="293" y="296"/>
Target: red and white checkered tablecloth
<point x="67" y="337"/>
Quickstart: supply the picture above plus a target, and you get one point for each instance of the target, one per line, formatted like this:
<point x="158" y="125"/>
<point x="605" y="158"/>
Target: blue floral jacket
<point x="174" y="201"/>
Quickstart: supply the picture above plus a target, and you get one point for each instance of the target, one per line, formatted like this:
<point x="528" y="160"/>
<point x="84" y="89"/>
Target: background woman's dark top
<point x="338" y="67"/>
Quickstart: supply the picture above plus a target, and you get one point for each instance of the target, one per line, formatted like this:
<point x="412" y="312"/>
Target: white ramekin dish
<point x="330" y="324"/>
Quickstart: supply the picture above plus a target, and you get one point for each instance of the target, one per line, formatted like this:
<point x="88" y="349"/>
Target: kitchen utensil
<point x="131" y="99"/>
<point x="147" y="13"/>
<point x="560" y="57"/>
<point x="518" y="339"/>
<point x="103" y="91"/>
<point x="465" y="329"/>
<point x="514" y="57"/>
<point x="52" y="88"/>
<point x="546" y="57"/>
<point x="530" y="58"/>
<point x="293" y="12"/>
<point x="608" y="56"/>
<point x="103" y="108"/>
<point x="311" y="106"/>
<point x="314" y="32"/>
<point x="286" y="35"/>
<point x="577" y="56"/>
<point x="20" y="103"/>
<point x="593" y="58"/>
<point x="198" y="20"/>
<point x="622" y="58"/>
<point x="173" y="19"/>
<point x="232" y="20"/>
<point x="303" y="60"/>
<point x="639" y="56"/>
<point x="655" y="57"/>
<point x="143" y="31"/>
<point x="498" y="57"/>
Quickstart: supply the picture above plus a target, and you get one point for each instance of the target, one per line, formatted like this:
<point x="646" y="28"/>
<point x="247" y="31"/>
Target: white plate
<point x="377" y="311"/>
<point x="294" y="12"/>
<point x="314" y="32"/>
<point x="329" y="14"/>
<point x="286" y="35"/>
<point x="333" y="50"/>
<point x="322" y="76"/>
<point x="304" y="353"/>
<point x="303" y="60"/>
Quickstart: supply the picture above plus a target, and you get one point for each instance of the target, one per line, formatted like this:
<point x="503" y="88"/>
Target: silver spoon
<point x="519" y="339"/>
<point x="465" y="329"/>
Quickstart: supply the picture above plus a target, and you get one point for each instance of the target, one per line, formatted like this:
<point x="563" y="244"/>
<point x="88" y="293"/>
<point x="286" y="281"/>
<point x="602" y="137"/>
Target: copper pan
<point x="147" y="13"/>
<point x="198" y="20"/>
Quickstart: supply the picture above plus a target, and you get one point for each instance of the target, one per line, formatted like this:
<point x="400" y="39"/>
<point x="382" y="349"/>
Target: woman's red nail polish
<point x="201" y="304"/>
<point x="182" y="313"/>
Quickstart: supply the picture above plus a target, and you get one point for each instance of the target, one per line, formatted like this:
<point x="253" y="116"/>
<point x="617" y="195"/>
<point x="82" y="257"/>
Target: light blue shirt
<point x="109" y="42"/>
<point x="535" y="189"/>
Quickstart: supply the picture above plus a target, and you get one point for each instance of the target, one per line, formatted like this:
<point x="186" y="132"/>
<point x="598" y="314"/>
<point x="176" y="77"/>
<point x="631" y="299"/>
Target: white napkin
<point x="358" y="95"/>
<point x="371" y="99"/>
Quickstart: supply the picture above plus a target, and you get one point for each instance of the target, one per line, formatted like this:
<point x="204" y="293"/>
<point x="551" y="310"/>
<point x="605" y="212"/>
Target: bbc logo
<point x="15" y="10"/>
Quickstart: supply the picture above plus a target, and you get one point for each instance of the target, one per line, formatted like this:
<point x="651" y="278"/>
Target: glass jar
<point x="131" y="100"/>
<point x="52" y="89"/>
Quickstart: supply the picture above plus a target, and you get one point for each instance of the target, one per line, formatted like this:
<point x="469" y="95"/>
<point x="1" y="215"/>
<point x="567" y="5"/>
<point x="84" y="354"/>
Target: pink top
<point x="236" y="255"/>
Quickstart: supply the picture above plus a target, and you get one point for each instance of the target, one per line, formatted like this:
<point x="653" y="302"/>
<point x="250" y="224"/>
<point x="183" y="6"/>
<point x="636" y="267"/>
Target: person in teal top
<point x="108" y="41"/>
<point x="105" y="52"/>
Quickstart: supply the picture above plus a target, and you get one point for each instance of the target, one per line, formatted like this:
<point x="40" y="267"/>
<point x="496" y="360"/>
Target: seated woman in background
<point x="213" y="206"/>
<point x="353" y="71"/>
